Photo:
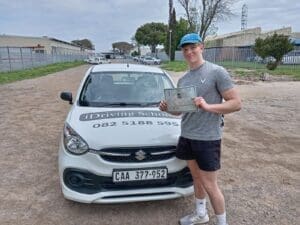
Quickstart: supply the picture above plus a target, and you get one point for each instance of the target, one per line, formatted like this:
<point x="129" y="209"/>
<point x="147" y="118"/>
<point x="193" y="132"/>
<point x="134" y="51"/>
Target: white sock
<point x="201" y="207"/>
<point x="221" y="219"/>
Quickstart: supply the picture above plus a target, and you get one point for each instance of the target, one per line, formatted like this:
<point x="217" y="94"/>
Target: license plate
<point x="160" y="173"/>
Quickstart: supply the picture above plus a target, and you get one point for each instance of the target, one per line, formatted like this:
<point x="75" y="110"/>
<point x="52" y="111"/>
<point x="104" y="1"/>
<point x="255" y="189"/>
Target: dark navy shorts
<point x="206" y="153"/>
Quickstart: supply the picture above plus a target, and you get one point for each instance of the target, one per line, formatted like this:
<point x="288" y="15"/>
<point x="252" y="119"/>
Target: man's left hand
<point x="201" y="103"/>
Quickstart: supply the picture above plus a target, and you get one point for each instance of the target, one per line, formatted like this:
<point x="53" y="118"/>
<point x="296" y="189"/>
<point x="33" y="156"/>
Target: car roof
<point x="123" y="67"/>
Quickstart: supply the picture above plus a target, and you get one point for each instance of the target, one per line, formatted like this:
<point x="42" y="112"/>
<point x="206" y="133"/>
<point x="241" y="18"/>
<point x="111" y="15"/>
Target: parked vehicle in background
<point x="90" y="59"/>
<point x="86" y="60"/>
<point x="117" y="146"/>
<point x="98" y="60"/>
<point x="119" y="57"/>
<point x="141" y="58"/>
<point x="151" y="61"/>
<point x="157" y="61"/>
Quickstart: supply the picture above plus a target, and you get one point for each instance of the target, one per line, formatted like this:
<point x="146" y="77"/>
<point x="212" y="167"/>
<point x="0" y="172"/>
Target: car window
<point x="123" y="89"/>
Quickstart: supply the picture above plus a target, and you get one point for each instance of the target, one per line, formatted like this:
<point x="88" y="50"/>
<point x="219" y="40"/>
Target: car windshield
<point x="125" y="89"/>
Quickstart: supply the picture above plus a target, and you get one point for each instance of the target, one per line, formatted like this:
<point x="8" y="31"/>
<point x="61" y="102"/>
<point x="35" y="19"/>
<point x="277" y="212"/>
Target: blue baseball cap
<point x="191" y="38"/>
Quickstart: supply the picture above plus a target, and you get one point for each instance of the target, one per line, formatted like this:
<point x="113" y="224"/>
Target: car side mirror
<point x="67" y="96"/>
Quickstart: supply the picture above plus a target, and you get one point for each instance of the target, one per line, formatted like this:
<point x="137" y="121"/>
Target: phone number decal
<point x="135" y="123"/>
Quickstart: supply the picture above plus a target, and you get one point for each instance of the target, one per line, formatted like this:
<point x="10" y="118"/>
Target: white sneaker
<point x="194" y="219"/>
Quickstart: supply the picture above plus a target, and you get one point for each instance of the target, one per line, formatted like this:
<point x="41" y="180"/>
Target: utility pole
<point x="170" y="44"/>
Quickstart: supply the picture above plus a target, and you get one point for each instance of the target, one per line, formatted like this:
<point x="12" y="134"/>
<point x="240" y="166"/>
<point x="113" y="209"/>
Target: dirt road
<point x="260" y="176"/>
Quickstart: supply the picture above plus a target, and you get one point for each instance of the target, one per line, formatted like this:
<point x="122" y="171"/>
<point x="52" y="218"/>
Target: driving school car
<point x="117" y="146"/>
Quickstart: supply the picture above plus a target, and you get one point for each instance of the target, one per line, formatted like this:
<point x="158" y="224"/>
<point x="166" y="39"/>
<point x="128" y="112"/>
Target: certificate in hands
<point x="181" y="99"/>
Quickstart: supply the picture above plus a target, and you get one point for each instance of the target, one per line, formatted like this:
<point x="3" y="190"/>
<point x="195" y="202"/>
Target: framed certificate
<point x="181" y="99"/>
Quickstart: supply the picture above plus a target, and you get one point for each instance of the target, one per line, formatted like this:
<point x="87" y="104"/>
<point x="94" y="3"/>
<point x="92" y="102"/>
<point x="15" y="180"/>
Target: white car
<point x="117" y="146"/>
<point x="98" y="60"/>
<point x="151" y="61"/>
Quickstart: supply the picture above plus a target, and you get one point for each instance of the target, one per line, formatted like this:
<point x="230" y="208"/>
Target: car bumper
<point x="100" y="188"/>
<point x="128" y="196"/>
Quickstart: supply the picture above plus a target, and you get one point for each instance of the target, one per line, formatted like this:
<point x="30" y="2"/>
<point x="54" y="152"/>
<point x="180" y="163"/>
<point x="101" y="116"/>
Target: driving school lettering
<point x="124" y="114"/>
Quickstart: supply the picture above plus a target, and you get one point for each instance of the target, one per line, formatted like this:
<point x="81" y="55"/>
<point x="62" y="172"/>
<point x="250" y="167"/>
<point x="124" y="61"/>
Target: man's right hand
<point x="163" y="106"/>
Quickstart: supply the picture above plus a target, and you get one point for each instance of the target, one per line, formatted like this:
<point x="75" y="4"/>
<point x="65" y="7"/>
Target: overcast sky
<point x="108" y="21"/>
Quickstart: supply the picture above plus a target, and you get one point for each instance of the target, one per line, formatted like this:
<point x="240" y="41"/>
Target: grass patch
<point x="176" y="66"/>
<point x="245" y="73"/>
<point x="242" y="68"/>
<point x="8" y="77"/>
<point x="259" y="68"/>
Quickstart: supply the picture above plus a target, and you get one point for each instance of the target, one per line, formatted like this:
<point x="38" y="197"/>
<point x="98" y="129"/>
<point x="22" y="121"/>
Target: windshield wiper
<point x="116" y="104"/>
<point x="125" y="104"/>
<point x="103" y="104"/>
<point x="150" y="104"/>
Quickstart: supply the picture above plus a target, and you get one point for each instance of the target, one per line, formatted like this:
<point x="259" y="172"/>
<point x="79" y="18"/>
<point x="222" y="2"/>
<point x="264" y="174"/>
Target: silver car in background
<point x="151" y="61"/>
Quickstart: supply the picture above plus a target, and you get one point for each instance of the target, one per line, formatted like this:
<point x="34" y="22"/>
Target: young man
<point x="201" y="131"/>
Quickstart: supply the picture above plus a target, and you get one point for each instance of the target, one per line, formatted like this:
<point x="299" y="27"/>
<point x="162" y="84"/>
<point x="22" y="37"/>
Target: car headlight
<point x="73" y="142"/>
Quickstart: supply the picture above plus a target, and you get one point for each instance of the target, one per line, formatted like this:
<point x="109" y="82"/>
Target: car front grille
<point x="88" y="183"/>
<point x="137" y="154"/>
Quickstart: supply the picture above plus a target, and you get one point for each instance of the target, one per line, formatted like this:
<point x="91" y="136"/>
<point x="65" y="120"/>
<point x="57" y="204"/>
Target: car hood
<point x="127" y="127"/>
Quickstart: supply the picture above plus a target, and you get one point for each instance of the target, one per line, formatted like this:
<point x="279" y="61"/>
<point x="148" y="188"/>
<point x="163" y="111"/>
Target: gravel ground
<point x="260" y="174"/>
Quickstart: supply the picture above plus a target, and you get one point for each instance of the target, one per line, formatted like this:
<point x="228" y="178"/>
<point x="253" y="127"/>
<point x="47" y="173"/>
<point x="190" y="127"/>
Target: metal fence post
<point x="295" y="60"/>
<point x="8" y="54"/>
<point x="22" y="58"/>
<point x="232" y="56"/>
<point x="39" y="57"/>
<point x="215" y="54"/>
<point x="31" y="57"/>
<point x="0" y="58"/>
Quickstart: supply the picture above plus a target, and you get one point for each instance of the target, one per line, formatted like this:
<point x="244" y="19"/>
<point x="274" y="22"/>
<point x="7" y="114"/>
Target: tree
<point x="202" y="17"/>
<point x="135" y="53"/>
<point x="275" y="46"/>
<point x="181" y="28"/>
<point x="190" y="13"/>
<point x="124" y="47"/>
<point x="136" y="45"/>
<point x="151" y="34"/>
<point x="172" y="34"/>
<point x="84" y="43"/>
<point x="171" y="7"/>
